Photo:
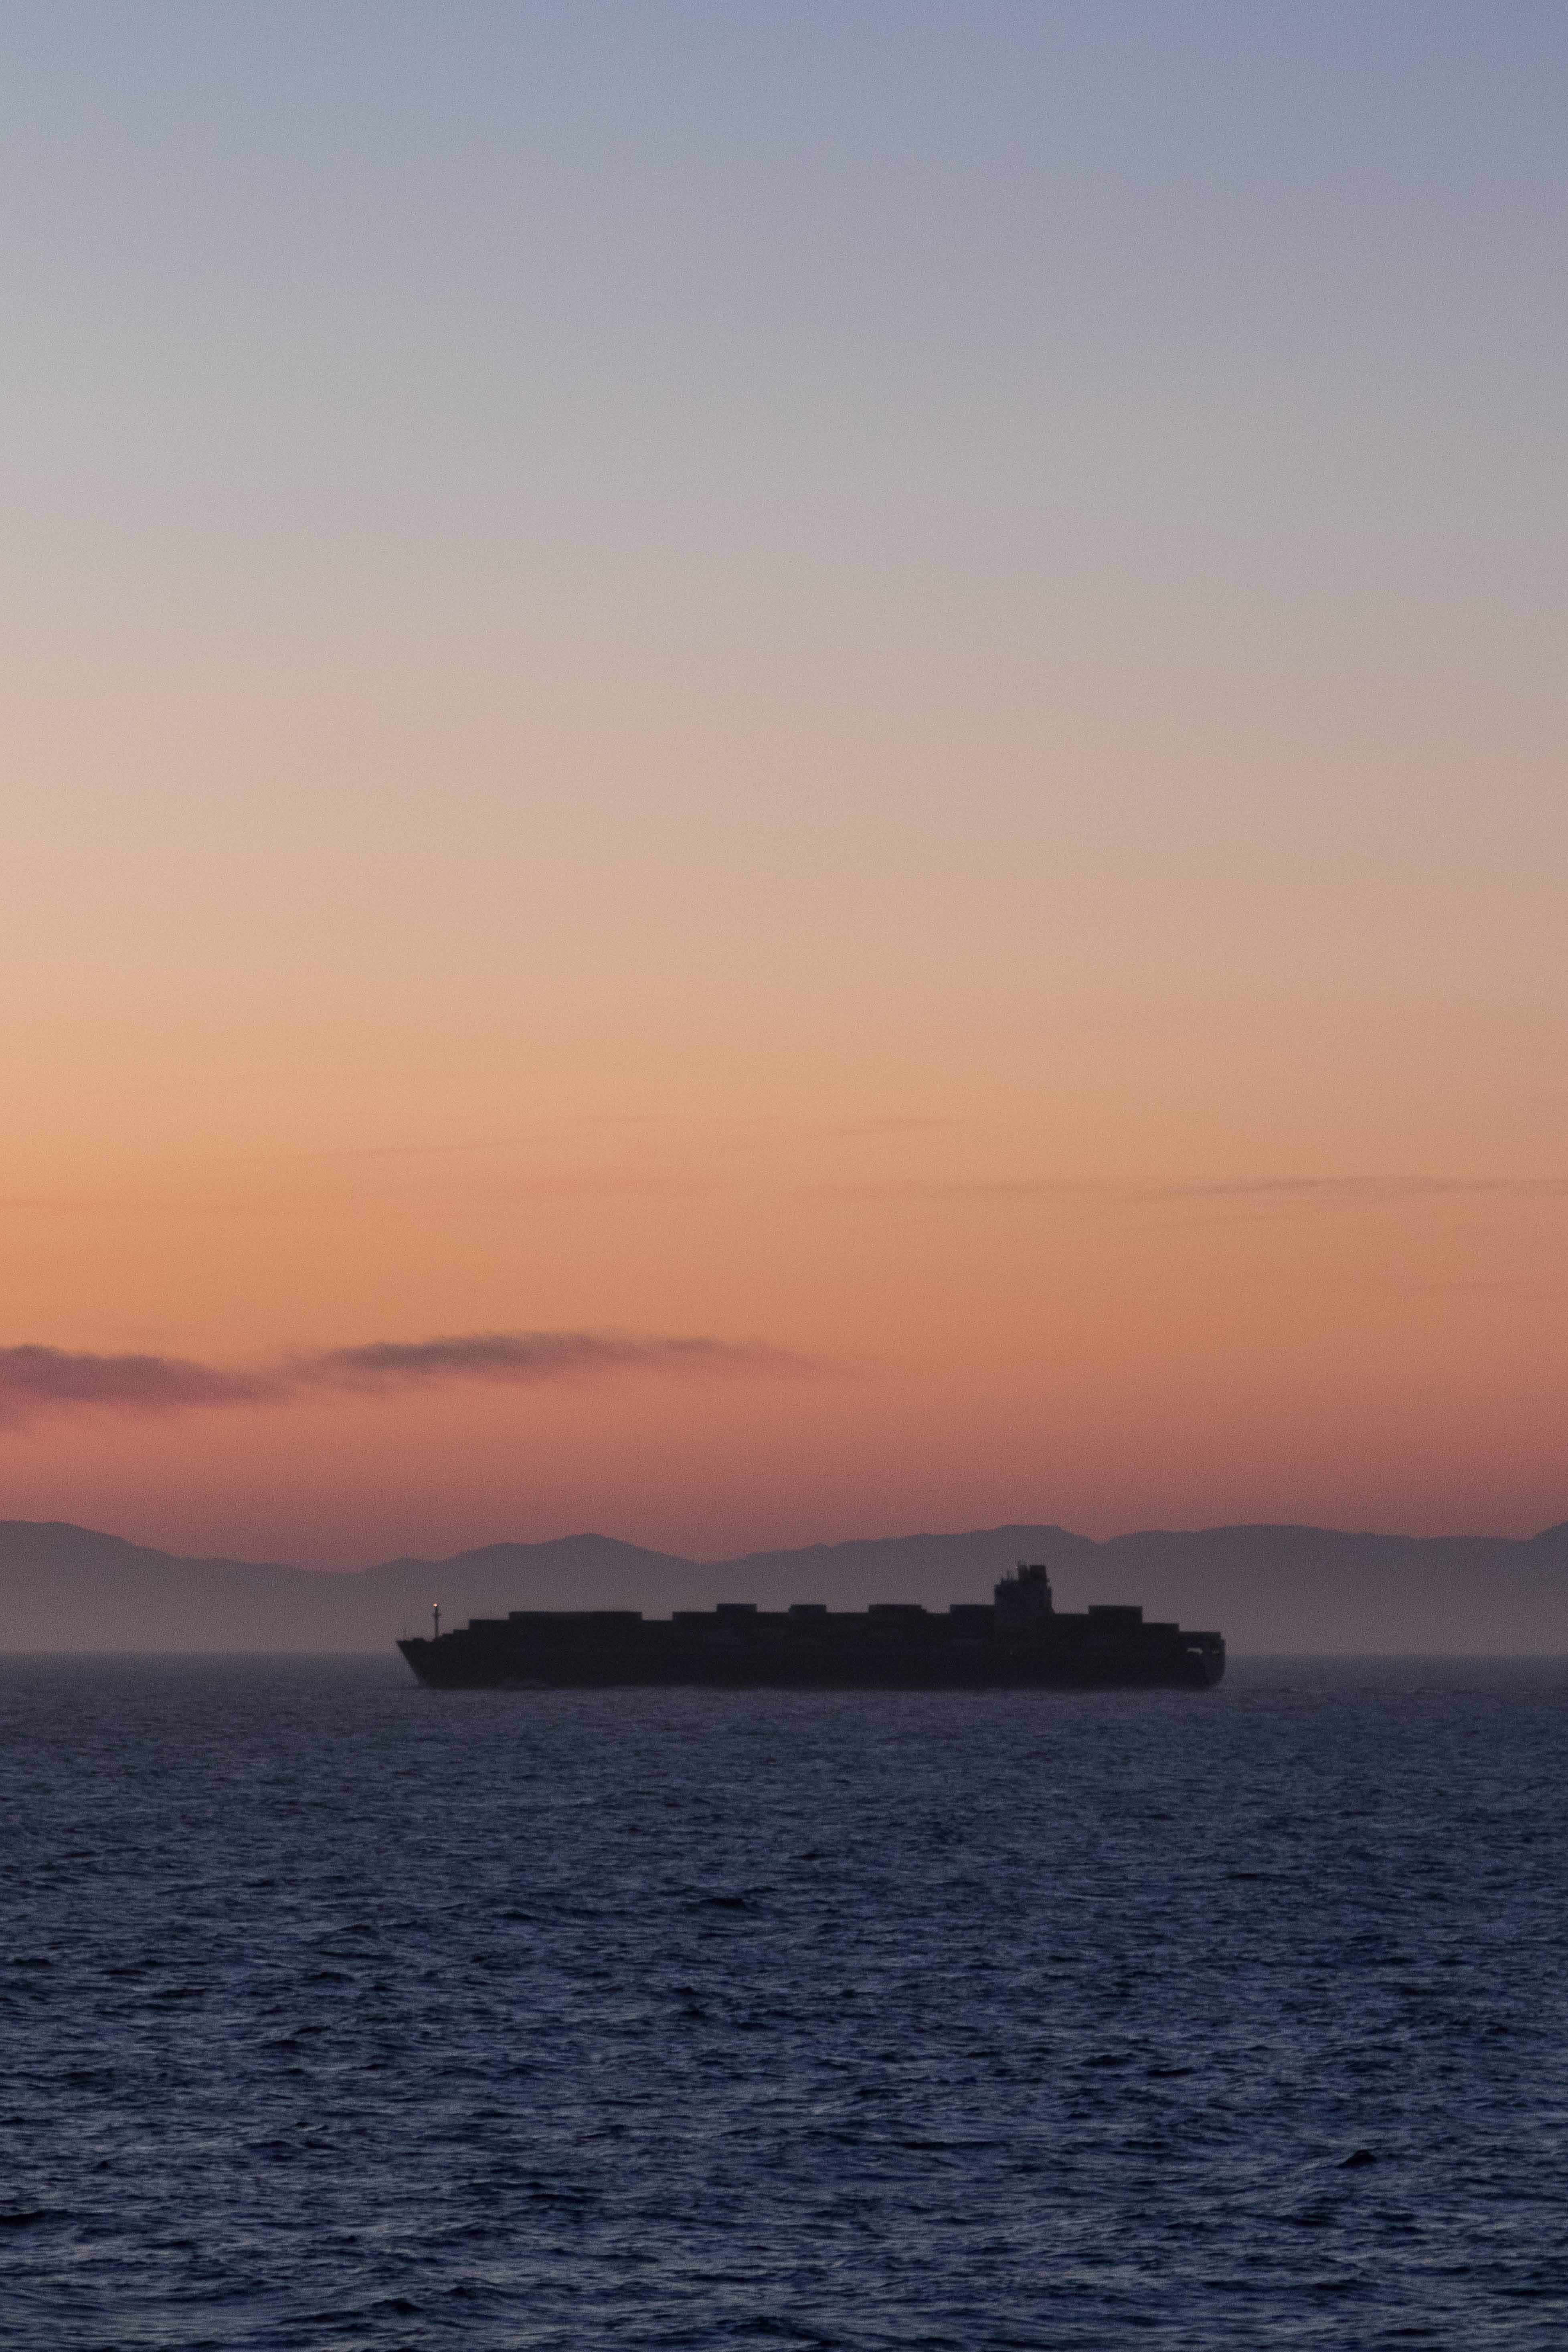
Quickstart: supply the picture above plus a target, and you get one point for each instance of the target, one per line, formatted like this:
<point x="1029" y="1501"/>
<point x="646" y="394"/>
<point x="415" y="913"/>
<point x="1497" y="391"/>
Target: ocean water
<point x="335" y="2012"/>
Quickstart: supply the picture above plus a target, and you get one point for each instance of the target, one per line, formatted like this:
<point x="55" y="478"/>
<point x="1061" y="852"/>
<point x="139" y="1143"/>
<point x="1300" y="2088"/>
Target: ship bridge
<point x="1025" y="1597"/>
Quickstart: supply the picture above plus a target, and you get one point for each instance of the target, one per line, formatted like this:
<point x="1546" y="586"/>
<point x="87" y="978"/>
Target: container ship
<point x="1018" y="1642"/>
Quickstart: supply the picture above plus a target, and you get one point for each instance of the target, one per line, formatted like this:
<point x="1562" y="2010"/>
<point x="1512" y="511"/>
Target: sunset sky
<point x="834" y="731"/>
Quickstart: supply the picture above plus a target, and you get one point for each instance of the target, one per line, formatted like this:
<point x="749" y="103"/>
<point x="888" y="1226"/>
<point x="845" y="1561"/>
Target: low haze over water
<point x="339" y="2014"/>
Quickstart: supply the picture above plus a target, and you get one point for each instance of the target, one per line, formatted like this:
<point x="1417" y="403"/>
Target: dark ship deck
<point x="1018" y="1643"/>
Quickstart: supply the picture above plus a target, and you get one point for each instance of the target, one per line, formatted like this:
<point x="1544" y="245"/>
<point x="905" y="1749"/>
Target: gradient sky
<point x="880" y="688"/>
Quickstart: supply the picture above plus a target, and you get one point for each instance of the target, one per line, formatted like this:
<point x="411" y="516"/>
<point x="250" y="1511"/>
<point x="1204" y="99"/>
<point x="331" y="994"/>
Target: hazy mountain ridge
<point x="1312" y="1590"/>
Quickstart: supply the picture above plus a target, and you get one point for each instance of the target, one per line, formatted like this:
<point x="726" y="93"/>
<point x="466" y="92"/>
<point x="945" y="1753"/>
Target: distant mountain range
<point x="1310" y="1591"/>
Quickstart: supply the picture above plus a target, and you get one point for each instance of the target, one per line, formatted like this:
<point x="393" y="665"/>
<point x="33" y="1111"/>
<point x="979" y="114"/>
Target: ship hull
<point x="648" y="1659"/>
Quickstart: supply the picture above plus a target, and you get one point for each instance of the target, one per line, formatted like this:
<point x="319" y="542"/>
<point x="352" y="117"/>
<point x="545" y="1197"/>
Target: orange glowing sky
<point x="887" y="693"/>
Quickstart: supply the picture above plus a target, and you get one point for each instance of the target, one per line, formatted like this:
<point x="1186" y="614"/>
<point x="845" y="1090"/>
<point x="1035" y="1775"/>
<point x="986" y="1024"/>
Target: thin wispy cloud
<point x="56" y="1204"/>
<point x="1529" y="1294"/>
<point x="1323" y="1191"/>
<point x="1331" y="1189"/>
<point x="893" y="1123"/>
<point x="971" y="1188"/>
<point x="521" y="1357"/>
<point x="36" y="1379"/>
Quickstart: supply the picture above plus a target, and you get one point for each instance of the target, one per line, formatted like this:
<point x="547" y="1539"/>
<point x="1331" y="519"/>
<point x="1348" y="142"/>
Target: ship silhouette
<point x="1020" y="1640"/>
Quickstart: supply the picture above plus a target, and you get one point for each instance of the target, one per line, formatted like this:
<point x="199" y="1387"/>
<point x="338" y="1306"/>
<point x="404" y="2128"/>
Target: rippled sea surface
<point x="335" y="2012"/>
